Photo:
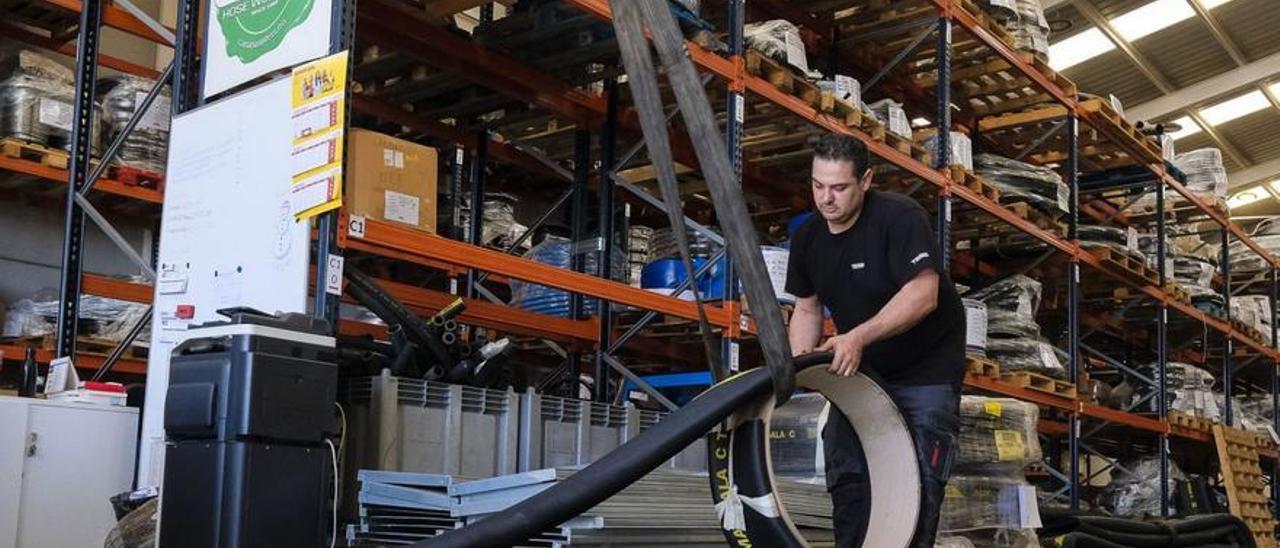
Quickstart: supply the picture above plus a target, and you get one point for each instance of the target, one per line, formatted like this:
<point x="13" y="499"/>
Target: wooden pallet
<point x="1098" y="150"/>
<point x="98" y="347"/>
<point x="965" y="178"/>
<point x="14" y="147"/>
<point x="136" y="177"/>
<point x="982" y="367"/>
<point x="1177" y="291"/>
<point x="1127" y="264"/>
<point x="1041" y="383"/>
<point x="848" y="114"/>
<point x="1247" y="330"/>
<point x="1242" y="478"/>
<point x="1033" y="215"/>
<point x="1122" y="128"/>
<point x="1178" y="418"/>
<point x="908" y="147"/>
<point x="784" y="78"/>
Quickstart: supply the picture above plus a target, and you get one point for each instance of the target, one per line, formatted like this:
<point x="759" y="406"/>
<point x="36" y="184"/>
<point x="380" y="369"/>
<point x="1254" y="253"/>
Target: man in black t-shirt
<point x="871" y="259"/>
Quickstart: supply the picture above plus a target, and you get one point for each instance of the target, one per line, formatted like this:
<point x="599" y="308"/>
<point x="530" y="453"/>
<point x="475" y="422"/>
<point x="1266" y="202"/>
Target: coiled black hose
<point x="1098" y="531"/>
<point x="621" y="467"/>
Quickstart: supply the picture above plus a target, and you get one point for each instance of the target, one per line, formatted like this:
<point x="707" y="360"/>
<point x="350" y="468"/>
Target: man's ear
<point x="867" y="176"/>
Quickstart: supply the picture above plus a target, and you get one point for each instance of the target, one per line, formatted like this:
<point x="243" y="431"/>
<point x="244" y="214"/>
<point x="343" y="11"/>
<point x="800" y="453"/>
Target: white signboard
<point x="228" y="235"/>
<point x="249" y="38"/>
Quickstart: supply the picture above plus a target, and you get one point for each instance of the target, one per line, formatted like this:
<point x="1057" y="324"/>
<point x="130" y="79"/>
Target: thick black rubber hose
<point x="618" y="469"/>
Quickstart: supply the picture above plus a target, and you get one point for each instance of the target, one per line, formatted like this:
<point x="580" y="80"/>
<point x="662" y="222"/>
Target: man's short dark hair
<point x="842" y="148"/>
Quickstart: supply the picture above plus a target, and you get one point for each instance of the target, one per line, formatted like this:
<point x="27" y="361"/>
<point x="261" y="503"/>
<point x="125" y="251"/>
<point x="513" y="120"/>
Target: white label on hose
<point x="55" y="113"/>
<point x="1028" y="508"/>
<point x="795" y="52"/>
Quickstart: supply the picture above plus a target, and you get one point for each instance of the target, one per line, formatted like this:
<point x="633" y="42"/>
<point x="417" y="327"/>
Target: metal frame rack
<point x="936" y="80"/>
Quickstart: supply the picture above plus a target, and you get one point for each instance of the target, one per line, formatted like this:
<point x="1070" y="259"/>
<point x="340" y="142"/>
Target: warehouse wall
<point x="32" y="253"/>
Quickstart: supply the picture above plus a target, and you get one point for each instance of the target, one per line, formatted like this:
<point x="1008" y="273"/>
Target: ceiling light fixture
<point x="1231" y="109"/>
<point x="1189" y="128"/>
<point x="1078" y="49"/>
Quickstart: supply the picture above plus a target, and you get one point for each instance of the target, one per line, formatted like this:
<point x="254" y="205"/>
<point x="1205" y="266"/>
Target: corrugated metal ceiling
<point x="1184" y="54"/>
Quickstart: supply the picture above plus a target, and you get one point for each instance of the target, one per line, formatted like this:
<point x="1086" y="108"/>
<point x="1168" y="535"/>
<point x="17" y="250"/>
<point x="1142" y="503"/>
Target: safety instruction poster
<point x="318" y="122"/>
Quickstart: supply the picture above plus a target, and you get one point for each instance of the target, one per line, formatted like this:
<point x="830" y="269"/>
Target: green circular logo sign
<point x="253" y="28"/>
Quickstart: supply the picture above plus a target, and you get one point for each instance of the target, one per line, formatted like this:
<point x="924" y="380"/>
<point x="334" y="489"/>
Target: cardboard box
<point x="391" y="179"/>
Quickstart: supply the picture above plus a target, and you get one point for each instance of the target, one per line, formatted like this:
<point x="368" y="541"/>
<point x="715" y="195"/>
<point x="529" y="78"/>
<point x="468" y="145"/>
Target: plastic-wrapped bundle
<point x="844" y="88"/>
<point x="1120" y="241"/>
<point x="795" y="438"/>
<point x="663" y="245"/>
<point x="997" y="433"/>
<point x="36" y="95"/>
<point x="779" y="40"/>
<point x="1137" y="493"/>
<point x="1027" y="354"/>
<point x="1024" y="19"/>
<point x="1211" y="303"/>
<point x="1245" y="259"/>
<point x="1018" y="294"/>
<point x="554" y="251"/>
<point x="1032" y="32"/>
<point x="988" y="502"/>
<point x="961" y="149"/>
<point x="1206" y="175"/>
<point x="890" y="113"/>
<point x="1253" y="311"/>
<point x="1189" y="390"/>
<point x="1019" y="181"/>
<point x="639" y="239"/>
<point x="1002" y="324"/>
<point x="1254" y="413"/>
<point x="146" y="147"/>
<point x="999" y="538"/>
<point x="1194" y="273"/>
<point x="953" y="542"/>
<point x="101" y="317"/>
<point x="500" y="228"/>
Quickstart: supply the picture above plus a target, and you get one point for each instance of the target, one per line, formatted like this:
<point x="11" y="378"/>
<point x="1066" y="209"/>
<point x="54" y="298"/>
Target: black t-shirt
<point x="856" y="273"/>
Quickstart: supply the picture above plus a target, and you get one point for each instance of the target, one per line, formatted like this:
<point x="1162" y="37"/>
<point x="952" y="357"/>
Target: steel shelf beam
<point x="387" y="236"/>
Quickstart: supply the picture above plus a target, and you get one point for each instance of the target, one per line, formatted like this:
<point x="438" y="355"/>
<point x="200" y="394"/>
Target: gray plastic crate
<point x="693" y="459"/>
<point x="412" y="425"/>
<point x="567" y="432"/>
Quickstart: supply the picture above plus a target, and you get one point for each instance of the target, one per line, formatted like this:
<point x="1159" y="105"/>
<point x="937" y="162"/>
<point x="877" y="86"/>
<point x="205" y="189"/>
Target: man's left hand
<point x="848" y="353"/>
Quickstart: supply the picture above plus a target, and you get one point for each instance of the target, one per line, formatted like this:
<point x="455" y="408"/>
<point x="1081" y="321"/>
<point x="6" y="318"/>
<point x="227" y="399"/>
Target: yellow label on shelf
<point x="992" y="408"/>
<point x="953" y="492"/>
<point x="1009" y="445"/>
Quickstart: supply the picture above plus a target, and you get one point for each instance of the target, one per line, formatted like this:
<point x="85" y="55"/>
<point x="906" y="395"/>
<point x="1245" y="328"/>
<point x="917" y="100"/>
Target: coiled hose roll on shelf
<point x="741" y="453"/>
<point x="1085" y="531"/>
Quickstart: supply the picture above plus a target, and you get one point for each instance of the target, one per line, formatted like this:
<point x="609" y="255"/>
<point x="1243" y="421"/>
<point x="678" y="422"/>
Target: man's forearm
<point x="805" y="329"/>
<point x="908" y="307"/>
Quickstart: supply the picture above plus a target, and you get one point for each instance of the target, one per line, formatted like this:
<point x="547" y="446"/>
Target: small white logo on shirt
<point x="920" y="257"/>
<point x="858" y="266"/>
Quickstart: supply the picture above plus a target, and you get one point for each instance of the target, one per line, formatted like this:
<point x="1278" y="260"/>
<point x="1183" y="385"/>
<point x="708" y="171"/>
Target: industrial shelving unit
<point x="932" y="78"/>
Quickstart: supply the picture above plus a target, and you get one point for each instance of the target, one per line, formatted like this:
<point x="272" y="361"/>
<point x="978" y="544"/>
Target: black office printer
<point x="250" y="401"/>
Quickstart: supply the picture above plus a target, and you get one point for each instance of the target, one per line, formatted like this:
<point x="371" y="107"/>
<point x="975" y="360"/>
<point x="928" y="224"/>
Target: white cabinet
<point x="59" y="465"/>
